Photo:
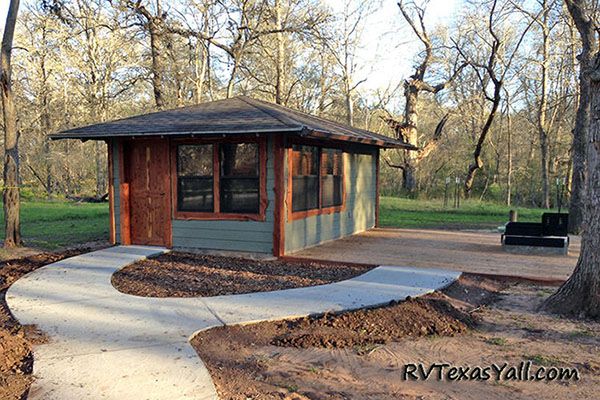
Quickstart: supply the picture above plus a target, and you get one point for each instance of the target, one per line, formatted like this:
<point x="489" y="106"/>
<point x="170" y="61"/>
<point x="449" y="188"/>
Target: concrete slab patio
<point x="108" y="345"/>
<point x="466" y="251"/>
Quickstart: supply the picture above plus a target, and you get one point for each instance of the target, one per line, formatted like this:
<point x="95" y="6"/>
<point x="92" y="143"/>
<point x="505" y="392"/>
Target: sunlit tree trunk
<point x="585" y="27"/>
<point x="12" y="223"/>
<point x="543" y="104"/>
<point x="280" y="57"/>
<point x="580" y="294"/>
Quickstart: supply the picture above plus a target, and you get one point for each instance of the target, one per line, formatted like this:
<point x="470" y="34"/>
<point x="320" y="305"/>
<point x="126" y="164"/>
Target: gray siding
<point x="358" y="216"/>
<point x="257" y="236"/>
<point x="253" y="236"/>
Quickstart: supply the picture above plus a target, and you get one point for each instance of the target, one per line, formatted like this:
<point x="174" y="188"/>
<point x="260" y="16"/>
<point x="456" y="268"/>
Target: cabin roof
<point x="233" y="116"/>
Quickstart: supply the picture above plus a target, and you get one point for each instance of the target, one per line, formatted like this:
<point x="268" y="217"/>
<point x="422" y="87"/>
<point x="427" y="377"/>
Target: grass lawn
<point x="50" y="225"/>
<point x="407" y="213"/>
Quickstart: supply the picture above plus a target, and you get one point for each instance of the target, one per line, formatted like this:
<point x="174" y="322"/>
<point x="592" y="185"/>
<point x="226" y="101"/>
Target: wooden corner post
<point x="377" y="154"/>
<point x="279" y="212"/>
<point x="124" y="203"/>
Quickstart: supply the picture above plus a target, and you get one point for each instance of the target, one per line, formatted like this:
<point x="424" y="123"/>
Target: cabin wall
<point x="252" y="236"/>
<point x="360" y="179"/>
<point x="360" y="172"/>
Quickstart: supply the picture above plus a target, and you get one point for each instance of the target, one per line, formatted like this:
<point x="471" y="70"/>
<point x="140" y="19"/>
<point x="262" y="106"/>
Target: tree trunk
<point x="409" y="181"/>
<point x="280" y="58"/>
<point x="545" y="168"/>
<point x="155" y="47"/>
<point x="580" y="294"/>
<point x="585" y="27"/>
<point x="232" y="78"/>
<point x="543" y="104"/>
<point x="11" y="137"/>
<point x="202" y="57"/>
<point x="410" y="133"/>
<point x="349" y="103"/>
<point x="477" y="161"/>
<point x="411" y="115"/>
<point x="509" y="161"/>
<point x="99" y="167"/>
<point x="45" y="124"/>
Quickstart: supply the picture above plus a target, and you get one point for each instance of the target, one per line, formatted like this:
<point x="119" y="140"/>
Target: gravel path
<point x="465" y="251"/>
<point x="108" y="345"/>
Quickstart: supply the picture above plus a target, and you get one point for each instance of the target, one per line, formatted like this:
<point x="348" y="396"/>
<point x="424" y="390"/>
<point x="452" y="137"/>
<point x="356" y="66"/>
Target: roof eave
<point x="391" y="143"/>
<point x="304" y="131"/>
<point x="72" y="134"/>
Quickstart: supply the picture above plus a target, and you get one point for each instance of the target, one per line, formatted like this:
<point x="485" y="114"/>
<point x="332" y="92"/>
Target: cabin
<point x="238" y="174"/>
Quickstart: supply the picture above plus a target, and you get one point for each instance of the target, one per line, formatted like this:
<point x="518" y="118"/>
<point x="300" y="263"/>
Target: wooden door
<point x="149" y="191"/>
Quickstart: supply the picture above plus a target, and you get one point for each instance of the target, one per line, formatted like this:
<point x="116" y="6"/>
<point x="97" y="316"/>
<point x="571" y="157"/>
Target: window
<point x="195" y="178"/>
<point x="240" y="178"/>
<point x="220" y="180"/>
<point x="331" y="177"/>
<point x="317" y="178"/>
<point x="305" y="178"/>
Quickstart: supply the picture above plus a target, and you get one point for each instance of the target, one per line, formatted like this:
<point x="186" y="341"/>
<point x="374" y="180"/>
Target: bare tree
<point x="542" y="20"/>
<point x="344" y="51"/>
<point x="280" y="53"/>
<point x="247" y="23"/>
<point x="12" y="224"/>
<point x="580" y="294"/>
<point x="585" y="25"/>
<point x="407" y="129"/>
<point x="154" y="24"/>
<point x="490" y="72"/>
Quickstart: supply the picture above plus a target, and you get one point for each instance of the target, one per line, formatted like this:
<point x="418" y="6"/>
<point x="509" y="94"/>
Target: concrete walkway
<point x="109" y="345"/>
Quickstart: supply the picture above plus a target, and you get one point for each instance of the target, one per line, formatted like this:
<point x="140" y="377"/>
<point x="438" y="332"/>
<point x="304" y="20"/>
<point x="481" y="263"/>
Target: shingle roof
<point x="237" y="115"/>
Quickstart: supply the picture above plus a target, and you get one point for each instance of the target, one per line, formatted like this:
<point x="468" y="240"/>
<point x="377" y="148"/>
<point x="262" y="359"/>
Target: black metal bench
<point x="551" y="234"/>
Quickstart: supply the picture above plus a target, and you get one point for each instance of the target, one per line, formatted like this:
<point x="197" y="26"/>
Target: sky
<point x="3" y="11"/>
<point x="388" y="45"/>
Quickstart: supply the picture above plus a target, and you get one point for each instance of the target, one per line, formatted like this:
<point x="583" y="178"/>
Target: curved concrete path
<point x="109" y="345"/>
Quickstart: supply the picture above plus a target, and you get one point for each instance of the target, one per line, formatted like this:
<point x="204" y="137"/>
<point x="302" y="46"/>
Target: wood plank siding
<point x="360" y="187"/>
<point x="360" y="173"/>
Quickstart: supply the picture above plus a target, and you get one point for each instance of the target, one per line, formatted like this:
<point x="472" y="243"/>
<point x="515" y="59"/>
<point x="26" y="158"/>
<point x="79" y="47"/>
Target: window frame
<point x="216" y="214"/>
<point x="295" y="215"/>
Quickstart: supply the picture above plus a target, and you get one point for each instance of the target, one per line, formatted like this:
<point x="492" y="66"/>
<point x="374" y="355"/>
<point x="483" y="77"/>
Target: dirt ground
<point x="362" y="354"/>
<point x="179" y="274"/>
<point x="467" y="251"/>
<point x="16" y="341"/>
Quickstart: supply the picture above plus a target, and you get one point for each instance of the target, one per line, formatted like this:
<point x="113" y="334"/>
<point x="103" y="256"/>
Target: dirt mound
<point x="432" y="315"/>
<point x="191" y="275"/>
<point x="242" y="359"/>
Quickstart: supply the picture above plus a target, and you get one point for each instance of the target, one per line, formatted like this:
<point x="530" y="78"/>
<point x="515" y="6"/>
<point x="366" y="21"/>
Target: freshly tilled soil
<point x="179" y="274"/>
<point x="234" y="354"/>
<point x="432" y="315"/>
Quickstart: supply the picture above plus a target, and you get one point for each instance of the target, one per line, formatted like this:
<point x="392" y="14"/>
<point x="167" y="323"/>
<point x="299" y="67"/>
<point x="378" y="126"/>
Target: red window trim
<point x="217" y="216"/>
<point x="295" y="215"/>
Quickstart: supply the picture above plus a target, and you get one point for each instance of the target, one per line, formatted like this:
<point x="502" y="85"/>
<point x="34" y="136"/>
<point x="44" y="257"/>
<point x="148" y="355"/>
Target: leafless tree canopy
<point x="492" y="98"/>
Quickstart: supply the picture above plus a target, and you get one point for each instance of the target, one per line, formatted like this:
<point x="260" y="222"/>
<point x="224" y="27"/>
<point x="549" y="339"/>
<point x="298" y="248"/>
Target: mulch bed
<point x="227" y="350"/>
<point x="16" y="340"/>
<point x="179" y="274"/>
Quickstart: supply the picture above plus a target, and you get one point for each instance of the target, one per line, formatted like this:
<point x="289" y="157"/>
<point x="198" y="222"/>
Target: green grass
<point x="541" y="359"/>
<point x="50" y="225"/>
<point x="497" y="341"/>
<point x="472" y="214"/>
